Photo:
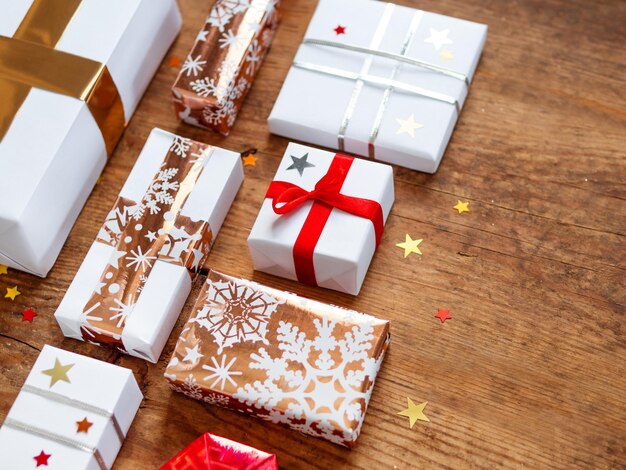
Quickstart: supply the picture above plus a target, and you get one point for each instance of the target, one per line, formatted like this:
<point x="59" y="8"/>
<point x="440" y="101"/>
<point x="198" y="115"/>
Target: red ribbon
<point x="326" y="196"/>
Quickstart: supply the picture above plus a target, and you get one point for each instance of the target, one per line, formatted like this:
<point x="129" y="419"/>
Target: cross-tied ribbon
<point x="326" y="196"/>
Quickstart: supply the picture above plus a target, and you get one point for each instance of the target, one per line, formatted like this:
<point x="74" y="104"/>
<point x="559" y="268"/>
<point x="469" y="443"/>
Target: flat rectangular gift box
<point x="71" y="75"/>
<point x="138" y="273"/>
<point x="379" y="80"/>
<point x="319" y="244"/>
<point x="211" y="452"/>
<point x="280" y="357"/>
<point x="223" y="62"/>
<point x="73" y="412"/>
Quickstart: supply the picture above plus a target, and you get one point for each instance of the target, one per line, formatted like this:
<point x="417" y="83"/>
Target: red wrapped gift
<point x="211" y="452"/>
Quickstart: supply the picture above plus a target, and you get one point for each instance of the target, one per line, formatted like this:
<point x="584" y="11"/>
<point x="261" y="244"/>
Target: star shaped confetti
<point x="414" y="412"/>
<point x="340" y="30"/>
<point x="249" y="160"/>
<point x="410" y="246"/>
<point x="408" y="125"/>
<point x="58" y="372"/>
<point x="29" y="315"/>
<point x="446" y="54"/>
<point x="83" y="426"/>
<point x="193" y="355"/>
<point x="443" y="314"/>
<point x="3" y="269"/>
<point x="462" y="207"/>
<point x="174" y="62"/>
<point x="42" y="458"/>
<point x="300" y="164"/>
<point x="438" y="38"/>
<point x="12" y="292"/>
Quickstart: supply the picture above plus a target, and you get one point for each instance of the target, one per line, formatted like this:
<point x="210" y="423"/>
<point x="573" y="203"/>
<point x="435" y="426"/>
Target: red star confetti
<point x="42" y="458"/>
<point x="29" y="315"/>
<point x="174" y="62"/>
<point x="12" y="292"/>
<point x="83" y="426"/>
<point x="340" y="30"/>
<point x="443" y="314"/>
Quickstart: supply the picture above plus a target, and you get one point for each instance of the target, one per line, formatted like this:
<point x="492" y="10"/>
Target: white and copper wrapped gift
<point x="73" y="412"/>
<point x="280" y="357"/>
<point x="137" y="275"/>
<point x="223" y="62"/>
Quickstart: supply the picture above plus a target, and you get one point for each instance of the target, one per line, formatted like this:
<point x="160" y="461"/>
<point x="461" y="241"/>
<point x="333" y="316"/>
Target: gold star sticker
<point x="12" y="292"/>
<point x="462" y="207"/>
<point x="410" y="246"/>
<point x="3" y="269"/>
<point x="58" y="372"/>
<point x="414" y="412"/>
<point x="446" y="54"/>
<point x="249" y="160"/>
<point x="408" y="125"/>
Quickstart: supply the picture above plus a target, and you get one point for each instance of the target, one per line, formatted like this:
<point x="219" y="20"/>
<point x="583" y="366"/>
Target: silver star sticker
<point x="300" y="163"/>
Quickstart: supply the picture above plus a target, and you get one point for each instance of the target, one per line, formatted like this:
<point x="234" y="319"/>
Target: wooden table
<point x="530" y="371"/>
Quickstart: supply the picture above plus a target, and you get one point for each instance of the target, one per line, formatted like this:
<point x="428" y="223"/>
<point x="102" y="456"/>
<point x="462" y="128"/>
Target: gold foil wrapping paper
<point x="223" y="62"/>
<point x="280" y="357"/>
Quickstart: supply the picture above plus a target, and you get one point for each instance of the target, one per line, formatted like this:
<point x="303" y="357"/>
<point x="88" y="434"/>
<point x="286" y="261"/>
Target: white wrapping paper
<point x="108" y="387"/>
<point x="53" y="152"/>
<point x="347" y="243"/>
<point x="312" y="106"/>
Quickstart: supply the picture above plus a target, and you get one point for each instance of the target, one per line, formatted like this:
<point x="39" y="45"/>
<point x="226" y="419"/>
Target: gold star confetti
<point x="446" y="54"/>
<point x="58" y="372"/>
<point x="462" y="207"/>
<point x="408" y="125"/>
<point x="83" y="426"/>
<point x="3" y="269"/>
<point x="12" y="292"/>
<point x="249" y="160"/>
<point x="410" y="246"/>
<point x="414" y="412"/>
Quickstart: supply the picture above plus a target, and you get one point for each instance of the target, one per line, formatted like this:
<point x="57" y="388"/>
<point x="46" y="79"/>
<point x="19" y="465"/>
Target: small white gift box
<point x="322" y="218"/>
<point x="53" y="142"/>
<point x="138" y="273"/>
<point x="380" y="81"/>
<point x="73" y="412"/>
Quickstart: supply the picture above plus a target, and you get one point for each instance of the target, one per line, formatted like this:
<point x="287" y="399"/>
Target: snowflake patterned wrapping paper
<point x="138" y="273"/>
<point x="73" y="412"/>
<point x="320" y="242"/>
<point x="211" y="452"/>
<point x="223" y="62"/>
<point x="399" y="105"/>
<point x="280" y="357"/>
<point x="52" y="148"/>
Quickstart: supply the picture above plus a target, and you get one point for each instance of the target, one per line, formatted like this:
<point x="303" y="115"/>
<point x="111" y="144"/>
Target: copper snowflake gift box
<point x="280" y="357"/>
<point x="223" y="62"/>
<point x="73" y="412"/>
<point x="322" y="218"/>
<point x="379" y="80"/>
<point x="71" y="75"/>
<point x="138" y="273"/>
<point x="211" y="452"/>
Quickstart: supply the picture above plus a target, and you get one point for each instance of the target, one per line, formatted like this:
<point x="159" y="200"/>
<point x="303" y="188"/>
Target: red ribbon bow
<point x="326" y="196"/>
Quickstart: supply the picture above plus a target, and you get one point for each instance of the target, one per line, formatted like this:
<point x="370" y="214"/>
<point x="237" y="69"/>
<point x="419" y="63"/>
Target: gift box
<point x="280" y="357"/>
<point x="211" y="452"/>
<point x="223" y="62"/>
<point x="379" y="80"/>
<point x="71" y="75"/>
<point x="138" y="273"/>
<point x="322" y="218"/>
<point x="73" y="412"/>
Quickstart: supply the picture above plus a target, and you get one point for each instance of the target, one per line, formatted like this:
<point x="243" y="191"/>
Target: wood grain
<point x="531" y="370"/>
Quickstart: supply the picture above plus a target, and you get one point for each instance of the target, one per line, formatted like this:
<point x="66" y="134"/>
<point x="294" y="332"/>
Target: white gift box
<point x="146" y="320"/>
<point x="62" y="390"/>
<point x="397" y="104"/>
<point x="345" y="247"/>
<point x="53" y="151"/>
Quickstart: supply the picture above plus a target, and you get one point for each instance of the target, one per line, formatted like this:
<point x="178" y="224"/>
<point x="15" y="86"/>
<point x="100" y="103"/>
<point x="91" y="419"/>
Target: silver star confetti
<point x="300" y="163"/>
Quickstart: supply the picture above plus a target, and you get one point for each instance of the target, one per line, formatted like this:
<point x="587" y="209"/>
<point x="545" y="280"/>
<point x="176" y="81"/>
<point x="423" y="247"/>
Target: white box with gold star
<point x="73" y="412"/>
<point x="135" y="279"/>
<point x="72" y="73"/>
<point x="322" y="218"/>
<point x="379" y="80"/>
